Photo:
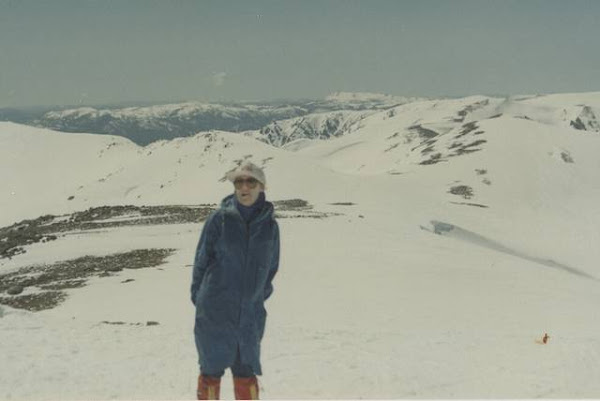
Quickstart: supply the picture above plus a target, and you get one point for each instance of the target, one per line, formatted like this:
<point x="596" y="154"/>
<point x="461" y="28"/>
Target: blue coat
<point x="233" y="271"/>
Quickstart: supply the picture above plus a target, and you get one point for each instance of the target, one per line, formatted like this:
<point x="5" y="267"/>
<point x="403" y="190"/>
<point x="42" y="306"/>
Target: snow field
<point x="369" y="301"/>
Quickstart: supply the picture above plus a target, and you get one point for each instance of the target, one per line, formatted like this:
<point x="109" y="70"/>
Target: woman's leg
<point x="209" y="385"/>
<point x="245" y="385"/>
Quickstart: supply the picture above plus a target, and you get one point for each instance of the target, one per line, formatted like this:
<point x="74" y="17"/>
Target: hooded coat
<point x="234" y="267"/>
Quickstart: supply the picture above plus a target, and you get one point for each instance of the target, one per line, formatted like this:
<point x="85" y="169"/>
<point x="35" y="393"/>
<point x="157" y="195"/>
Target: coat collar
<point x="228" y="206"/>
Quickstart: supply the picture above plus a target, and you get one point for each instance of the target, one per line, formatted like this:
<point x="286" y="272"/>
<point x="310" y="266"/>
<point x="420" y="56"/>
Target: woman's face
<point x="247" y="189"/>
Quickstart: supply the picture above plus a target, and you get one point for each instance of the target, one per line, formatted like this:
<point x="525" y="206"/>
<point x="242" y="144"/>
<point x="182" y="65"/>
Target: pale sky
<point x="70" y="52"/>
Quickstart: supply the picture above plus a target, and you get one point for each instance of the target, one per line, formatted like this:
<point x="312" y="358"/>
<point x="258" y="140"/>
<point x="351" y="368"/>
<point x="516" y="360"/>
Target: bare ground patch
<point x="15" y="238"/>
<point x="44" y="284"/>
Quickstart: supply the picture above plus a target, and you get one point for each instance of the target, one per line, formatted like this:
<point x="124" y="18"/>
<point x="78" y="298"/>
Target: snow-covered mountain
<point x="427" y="251"/>
<point x="148" y="124"/>
<point x="145" y="125"/>
<point x="312" y="126"/>
<point x="283" y="122"/>
<point x="366" y="100"/>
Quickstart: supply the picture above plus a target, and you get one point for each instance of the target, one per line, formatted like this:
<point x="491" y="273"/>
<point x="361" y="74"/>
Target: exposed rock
<point x="566" y="156"/>
<point x="315" y="126"/>
<point x="35" y="302"/>
<point x="433" y="159"/>
<point x="44" y="228"/>
<point x="15" y="290"/>
<point x="51" y="279"/>
<point x="462" y="190"/>
<point x="424" y="133"/>
<point x="578" y="124"/>
<point x="586" y="120"/>
<point x="462" y="114"/>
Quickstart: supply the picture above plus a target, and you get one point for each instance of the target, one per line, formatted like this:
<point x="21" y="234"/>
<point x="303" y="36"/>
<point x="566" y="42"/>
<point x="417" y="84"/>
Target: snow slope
<point x="436" y="278"/>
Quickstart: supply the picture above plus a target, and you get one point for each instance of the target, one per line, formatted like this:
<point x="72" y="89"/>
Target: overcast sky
<point x="64" y="52"/>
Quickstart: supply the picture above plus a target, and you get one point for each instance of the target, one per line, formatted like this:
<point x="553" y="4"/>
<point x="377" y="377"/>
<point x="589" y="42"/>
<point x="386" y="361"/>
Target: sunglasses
<point x="251" y="182"/>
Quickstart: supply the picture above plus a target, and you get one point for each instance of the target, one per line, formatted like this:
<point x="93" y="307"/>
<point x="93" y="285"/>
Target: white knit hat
<point x="248" y="169"/>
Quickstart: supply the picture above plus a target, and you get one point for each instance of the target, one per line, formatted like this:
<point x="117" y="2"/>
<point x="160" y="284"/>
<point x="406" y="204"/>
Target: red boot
<point x="208" y="387"/>
<point x="245" y="388"/>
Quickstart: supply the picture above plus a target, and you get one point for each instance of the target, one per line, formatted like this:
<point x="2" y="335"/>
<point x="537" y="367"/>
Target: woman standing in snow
<point x="236" y="260"/>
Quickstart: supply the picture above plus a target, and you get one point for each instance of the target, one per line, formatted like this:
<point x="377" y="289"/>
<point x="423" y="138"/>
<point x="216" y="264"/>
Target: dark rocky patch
<point x="427" y="150"/>
<point x="433" y="159"/>
<point x="566" y="156"/>
<point x="14" y="238"/>
<point x="462" y="149"/>
<point x="456" y="148"/>
<point x="468" y="109"/>
<point x="424" y="133"/>
<point x="15" y="290"/>
<point x="35" y="302"/>
<point x="44" y="228"/>
<point x="286" y="208"/>
<point x="50" y="279"/>
<point x="64" y="285"/>
<point x="394" y="146"/>
<point x="586" y="120"/>
<point x="578" y="124"/>
<point x="476" y="143"/>
<point x="462" y="190"/>
<point x="291" y="204"/>
<point x="466" y="129"/>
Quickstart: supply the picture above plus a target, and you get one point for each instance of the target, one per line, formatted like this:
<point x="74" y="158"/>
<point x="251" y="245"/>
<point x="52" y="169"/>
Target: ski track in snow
<point x="450" y="230"/>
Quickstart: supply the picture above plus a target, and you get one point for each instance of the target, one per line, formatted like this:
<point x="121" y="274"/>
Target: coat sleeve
<point x="274" y="263"/>
<point x="204" y="254"/>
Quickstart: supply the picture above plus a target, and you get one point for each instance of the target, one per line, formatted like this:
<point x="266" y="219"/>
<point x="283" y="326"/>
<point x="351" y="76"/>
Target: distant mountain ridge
<point x="147" y="124"/>
<point x="282" y="122"/>
<point x="144" y="125"/>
